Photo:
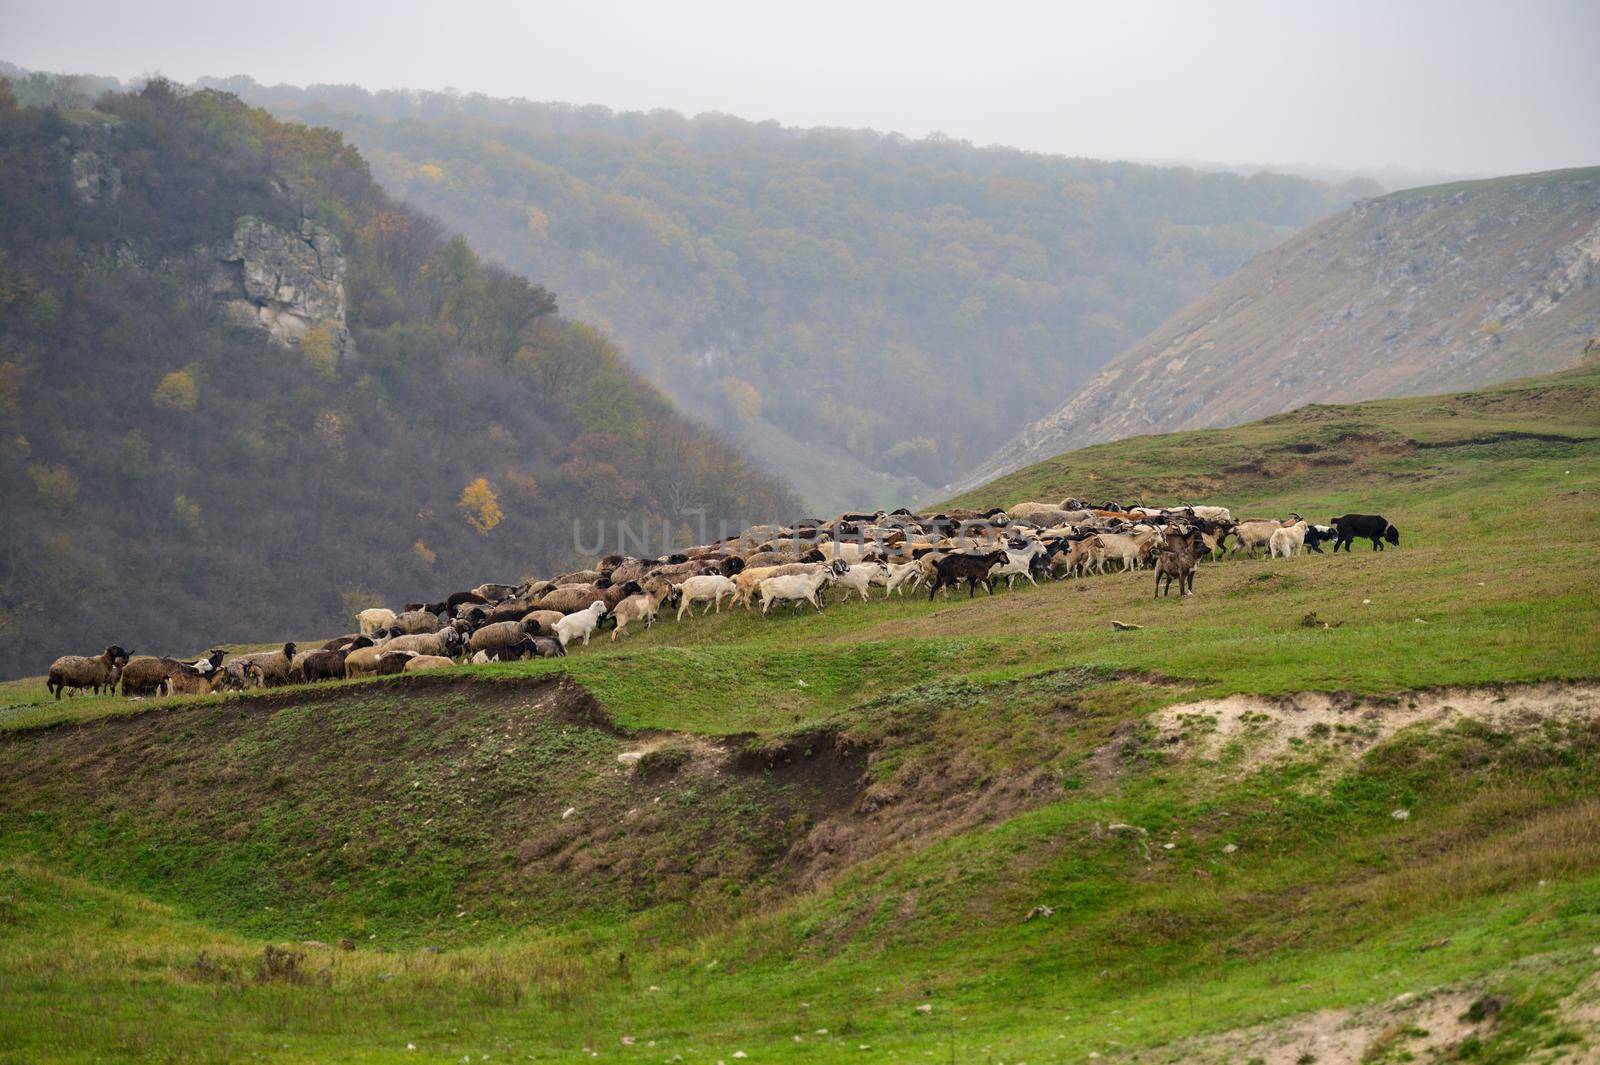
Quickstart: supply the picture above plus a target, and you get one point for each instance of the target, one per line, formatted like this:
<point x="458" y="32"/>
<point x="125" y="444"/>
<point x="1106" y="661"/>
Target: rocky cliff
<point x="286" y="282"/>
<point x="1427" y="290"/>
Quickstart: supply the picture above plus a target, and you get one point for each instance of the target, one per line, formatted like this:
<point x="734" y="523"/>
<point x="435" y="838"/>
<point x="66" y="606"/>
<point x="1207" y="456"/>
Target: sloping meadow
<point x="979" y="829"/>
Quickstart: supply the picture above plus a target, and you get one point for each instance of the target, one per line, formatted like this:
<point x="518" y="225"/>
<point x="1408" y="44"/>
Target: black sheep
<point x="1365" y="527"/>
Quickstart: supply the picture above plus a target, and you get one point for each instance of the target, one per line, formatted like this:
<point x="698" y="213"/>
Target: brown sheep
<point x="276" y="666"/>
<point x="147" y="674"/>
<point x="388" y="663"/>
<point x="78" y="671"/>
<point x="413" y="622"/>
<point x="325" y="665"/>
<point x="546" y="618"/>
<point x="502" y="634"/>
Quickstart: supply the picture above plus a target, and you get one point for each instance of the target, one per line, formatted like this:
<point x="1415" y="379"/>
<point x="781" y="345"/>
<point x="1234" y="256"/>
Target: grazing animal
<point x="796" y="588"/>
<point x="276" y="666"/>
<point x="581" y="623"/>
<point x="1128" y="547"/>
<point x="502" y="634"/>
<point x="444" y="643"/>
<point x="1288" y="539"/>
<point x="1351" y="527"/>
<point x="79" y="672"/>
<point x="147" y="674"/>
<point x="644" y="606"/>
<point x="416" y="622"/>
<point x="325" y="665"/>
<point x="954" y="568"/>
<point x="388" y="663"/>
<point x="243" y="674"/>
<point x="1252" y="535"/>
<point x="1317" y="535"/>
<point x="1176" y="559"/>
<point x="1083" y="555"/>
<point x="548" y="647"/>
<point x="421" y="663"/>
<point x="901" y="575"/>
<point x="708" y="588"/>
<point x="860" y="576"/>
<point x="1019" y="563"/>
<point x="186" y="680"/>
<point x="370" y="621"/>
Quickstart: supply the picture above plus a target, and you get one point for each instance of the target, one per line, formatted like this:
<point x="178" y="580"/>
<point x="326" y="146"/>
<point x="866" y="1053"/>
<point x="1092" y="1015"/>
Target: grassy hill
<point x="1447" y="287"/>
<point x="821" y="838"/>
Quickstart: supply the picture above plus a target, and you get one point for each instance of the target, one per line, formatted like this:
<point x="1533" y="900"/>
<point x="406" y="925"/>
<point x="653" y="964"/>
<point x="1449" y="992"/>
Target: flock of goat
<point x="767" y="564"/>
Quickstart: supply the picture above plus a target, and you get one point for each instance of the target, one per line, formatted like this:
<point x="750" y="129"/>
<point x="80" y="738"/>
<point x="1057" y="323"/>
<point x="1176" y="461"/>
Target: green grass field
<point x="820" y="838"/>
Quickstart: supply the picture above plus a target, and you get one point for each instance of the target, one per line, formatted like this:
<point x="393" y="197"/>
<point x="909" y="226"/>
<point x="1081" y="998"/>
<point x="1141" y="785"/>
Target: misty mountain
<point x="867" y="315"/>
<point x="1429" y="290"/>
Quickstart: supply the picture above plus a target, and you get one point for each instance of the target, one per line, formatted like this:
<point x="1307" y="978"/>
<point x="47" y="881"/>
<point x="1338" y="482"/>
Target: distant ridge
<point x="1441" y="288"/>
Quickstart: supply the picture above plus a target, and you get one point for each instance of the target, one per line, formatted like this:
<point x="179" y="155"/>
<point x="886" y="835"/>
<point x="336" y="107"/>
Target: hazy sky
<point x="1455" y="85"/>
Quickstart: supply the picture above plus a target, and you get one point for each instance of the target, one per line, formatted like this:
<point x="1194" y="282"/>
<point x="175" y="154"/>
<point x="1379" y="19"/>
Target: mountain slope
<point x="900" y="305"/>
<point x="243" y="392"/>
<point x="1443" y="287"/>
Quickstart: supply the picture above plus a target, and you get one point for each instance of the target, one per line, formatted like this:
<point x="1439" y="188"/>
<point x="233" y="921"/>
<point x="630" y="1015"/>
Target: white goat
<point x="710" y="589"/>
<point x="798" y="587"/>
<point x="1019" y="563"/>
<point x="906" y="573"/>
<point x="861" y="576"/>
<point x="581" y="623"/>
<point x="642" y="606"/>
<point x="1129" y="547"/>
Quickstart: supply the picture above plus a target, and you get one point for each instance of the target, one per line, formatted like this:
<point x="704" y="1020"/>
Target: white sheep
<point x="710" y="589"/>
<point x="1287" y="540"/>
<point x="421" y="663"/>
<point x="581" y="623"/>
<point x="371" y="621"/>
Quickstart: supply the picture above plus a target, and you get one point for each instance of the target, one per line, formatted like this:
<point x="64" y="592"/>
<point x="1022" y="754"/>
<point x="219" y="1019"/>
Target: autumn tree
<point x="480" y="505"/>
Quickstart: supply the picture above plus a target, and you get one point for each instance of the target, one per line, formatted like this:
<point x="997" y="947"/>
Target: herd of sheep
<point x="764" y="565"/>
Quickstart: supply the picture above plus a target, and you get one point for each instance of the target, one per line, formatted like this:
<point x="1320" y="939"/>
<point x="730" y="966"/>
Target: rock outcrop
<point x="286" y="282"/>
<point x="94" y="178"/>
<point x="1429" y="290"/>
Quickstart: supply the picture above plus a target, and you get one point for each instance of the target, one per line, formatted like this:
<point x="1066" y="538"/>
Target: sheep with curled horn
<point x="80" y="672"/>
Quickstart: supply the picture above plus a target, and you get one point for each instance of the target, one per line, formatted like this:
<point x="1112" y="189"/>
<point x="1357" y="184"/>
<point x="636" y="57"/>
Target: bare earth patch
<point x="1263" y="730"/>
<point x="1430" y="1026"/>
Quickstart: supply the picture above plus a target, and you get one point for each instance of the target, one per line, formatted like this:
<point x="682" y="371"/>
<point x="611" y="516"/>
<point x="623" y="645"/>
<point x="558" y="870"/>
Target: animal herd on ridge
<point x="767" y="564"/>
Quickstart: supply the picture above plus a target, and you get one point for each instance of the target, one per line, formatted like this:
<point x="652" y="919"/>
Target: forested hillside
<point x="866" y="314"/>
<point x="243" y="392"/>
